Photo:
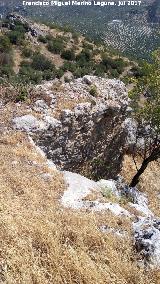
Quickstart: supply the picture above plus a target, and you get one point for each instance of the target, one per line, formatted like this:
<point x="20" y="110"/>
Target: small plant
<point x="42" y="39"/>
<point x="93" y="91"/>
<point x="22" y="94"/>
<point x="27" y="52"/>
<point x="66" y="79"/>
<point x="68" y="55"/>
<point x="107" y="192"/>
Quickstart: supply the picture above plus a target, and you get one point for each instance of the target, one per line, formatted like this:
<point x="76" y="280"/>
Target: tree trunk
<point x="153" y="157"/>
<point x="135" y="179"/>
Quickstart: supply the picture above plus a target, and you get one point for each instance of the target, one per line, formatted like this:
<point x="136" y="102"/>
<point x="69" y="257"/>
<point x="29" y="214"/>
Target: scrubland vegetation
<point x="37" y="63"/>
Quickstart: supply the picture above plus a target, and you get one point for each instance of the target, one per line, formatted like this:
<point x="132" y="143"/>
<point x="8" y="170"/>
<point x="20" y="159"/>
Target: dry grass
<point x="41" y="242"/>
<point x="149" y="181"/>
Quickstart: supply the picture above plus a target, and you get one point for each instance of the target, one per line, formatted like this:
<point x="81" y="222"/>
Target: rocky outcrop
<point x="30" y="27"/>
<point x="88" y="138"/>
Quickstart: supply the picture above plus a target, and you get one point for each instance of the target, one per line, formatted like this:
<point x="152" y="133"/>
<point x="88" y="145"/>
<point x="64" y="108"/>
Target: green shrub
<point x="29" y="75"/>
<point x="114" y="73"/>
<point x="16" y="37"/>
<point x="66" y="79"/>
<point x="5" y="44"/>
<point x="22" y="94"/>
<point x="69" y="66"/>
<point x="78" y="72"/>
<point x="41" y="63"/>
<point x="100" y="70"/>
<point x="83" y="57"/>
<point x="75" y="36"/>
<point x="107" y="192"/>
<point x="49" y="75"/>
<point x="59" y="73"/>
<point x="68" y="55"/>
<point x="55" y="46"/>
<point x="49" y="38"/>
<point x="93" y="91"/>
<point x="6" y="70"/>
<point x="42" y="39"/>
<point x="27" y="52"/>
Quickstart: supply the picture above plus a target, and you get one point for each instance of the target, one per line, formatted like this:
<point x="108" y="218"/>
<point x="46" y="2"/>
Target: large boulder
<point x="90" y="137"/>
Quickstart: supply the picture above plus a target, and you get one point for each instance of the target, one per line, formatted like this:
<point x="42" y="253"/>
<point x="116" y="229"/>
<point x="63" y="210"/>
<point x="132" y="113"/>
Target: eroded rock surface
<point x="89" y="135"/>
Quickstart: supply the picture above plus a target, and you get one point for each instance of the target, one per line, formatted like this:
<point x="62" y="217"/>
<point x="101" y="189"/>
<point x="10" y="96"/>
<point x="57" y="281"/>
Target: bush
<point x="41" y="63"/>
<point x="114" y="73"/>
<point x="42" y="39"/>
<point x="22" y="94"/>
<point x="27" y="52"/>
<point x="56" y="46"/>
<point x="49" y="75"/>
<point x="6" y="70"/>
<point x="59" y="73"/>
<point x="5" y="44"/>
<point x="68" y="66"/>
<point x="83" y="57"/>
<point x="29" y="75"/>
<point x="66" y="79"/>
<point x="16" y="37"/>
<point x="93" y="91"/>
<point x="100" y="70"/>
<point x="68" y="55"/>
<point x="78" y="73"/>
<point x="137" y="72"/>
<point x="6" y="59"/>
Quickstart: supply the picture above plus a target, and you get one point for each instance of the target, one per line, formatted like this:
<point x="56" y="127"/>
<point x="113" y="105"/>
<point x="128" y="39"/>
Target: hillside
<point x="58" y="226"/>
<point x="67" y="212"/>
<point x="133" y="30"/>
<point x="32" y="52"/>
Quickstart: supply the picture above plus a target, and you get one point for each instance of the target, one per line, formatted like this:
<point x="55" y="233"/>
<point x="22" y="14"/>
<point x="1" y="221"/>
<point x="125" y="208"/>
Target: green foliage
<point x="5" y="44"/>
<point x="68" y="54"/>
<point x="41" y="63"/>
<point x="114" y="73"/>
<point x="59" y="73"/>
<point x="147" y="115"/>
<point x="83" y="57"/>
<point x="16" y="37"/>
<point x="110" y="64"/>
<point x="42" y="39"/>
<point x="137" y="71"/>
<point x="28" y="75"/>
<point x="6" y="71"/>
<point x="107" y="192"/>
<point x="56" y="46"/>
<point x="22" y="93"/>
<point x="100" y="70"/>
<point x="75" y="36"/>
<point x="69" y="66"/>
<point x="49" y="74"/>
<point x="93" y="91"/>
<point x="27" y="52"/>
<point x="66" y="79"/>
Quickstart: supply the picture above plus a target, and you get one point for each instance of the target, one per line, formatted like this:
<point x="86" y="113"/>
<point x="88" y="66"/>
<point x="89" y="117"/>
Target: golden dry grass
<point x="41" y="242"/>
<point x="149" y="181"/>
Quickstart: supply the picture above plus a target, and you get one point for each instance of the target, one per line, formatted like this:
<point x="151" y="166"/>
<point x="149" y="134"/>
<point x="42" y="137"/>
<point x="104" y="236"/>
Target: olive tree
<point x="146" y="98"/>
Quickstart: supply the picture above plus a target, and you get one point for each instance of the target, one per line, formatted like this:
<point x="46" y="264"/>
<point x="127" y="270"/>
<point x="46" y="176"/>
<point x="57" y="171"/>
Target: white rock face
<point x="30" y="123"/>
<point x="40" y="106"/>
<point x="146" y="229"/>
<point x="79" y="187"/>
<point x="109" y="185"/>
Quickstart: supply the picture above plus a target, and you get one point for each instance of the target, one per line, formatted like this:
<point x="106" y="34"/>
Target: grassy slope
<point x="43" y="243"/>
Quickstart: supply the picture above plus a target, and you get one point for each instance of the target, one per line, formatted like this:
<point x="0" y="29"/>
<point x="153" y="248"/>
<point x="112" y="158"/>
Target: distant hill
<point x="31" y="52"/>
<point x="129" y="29"/>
